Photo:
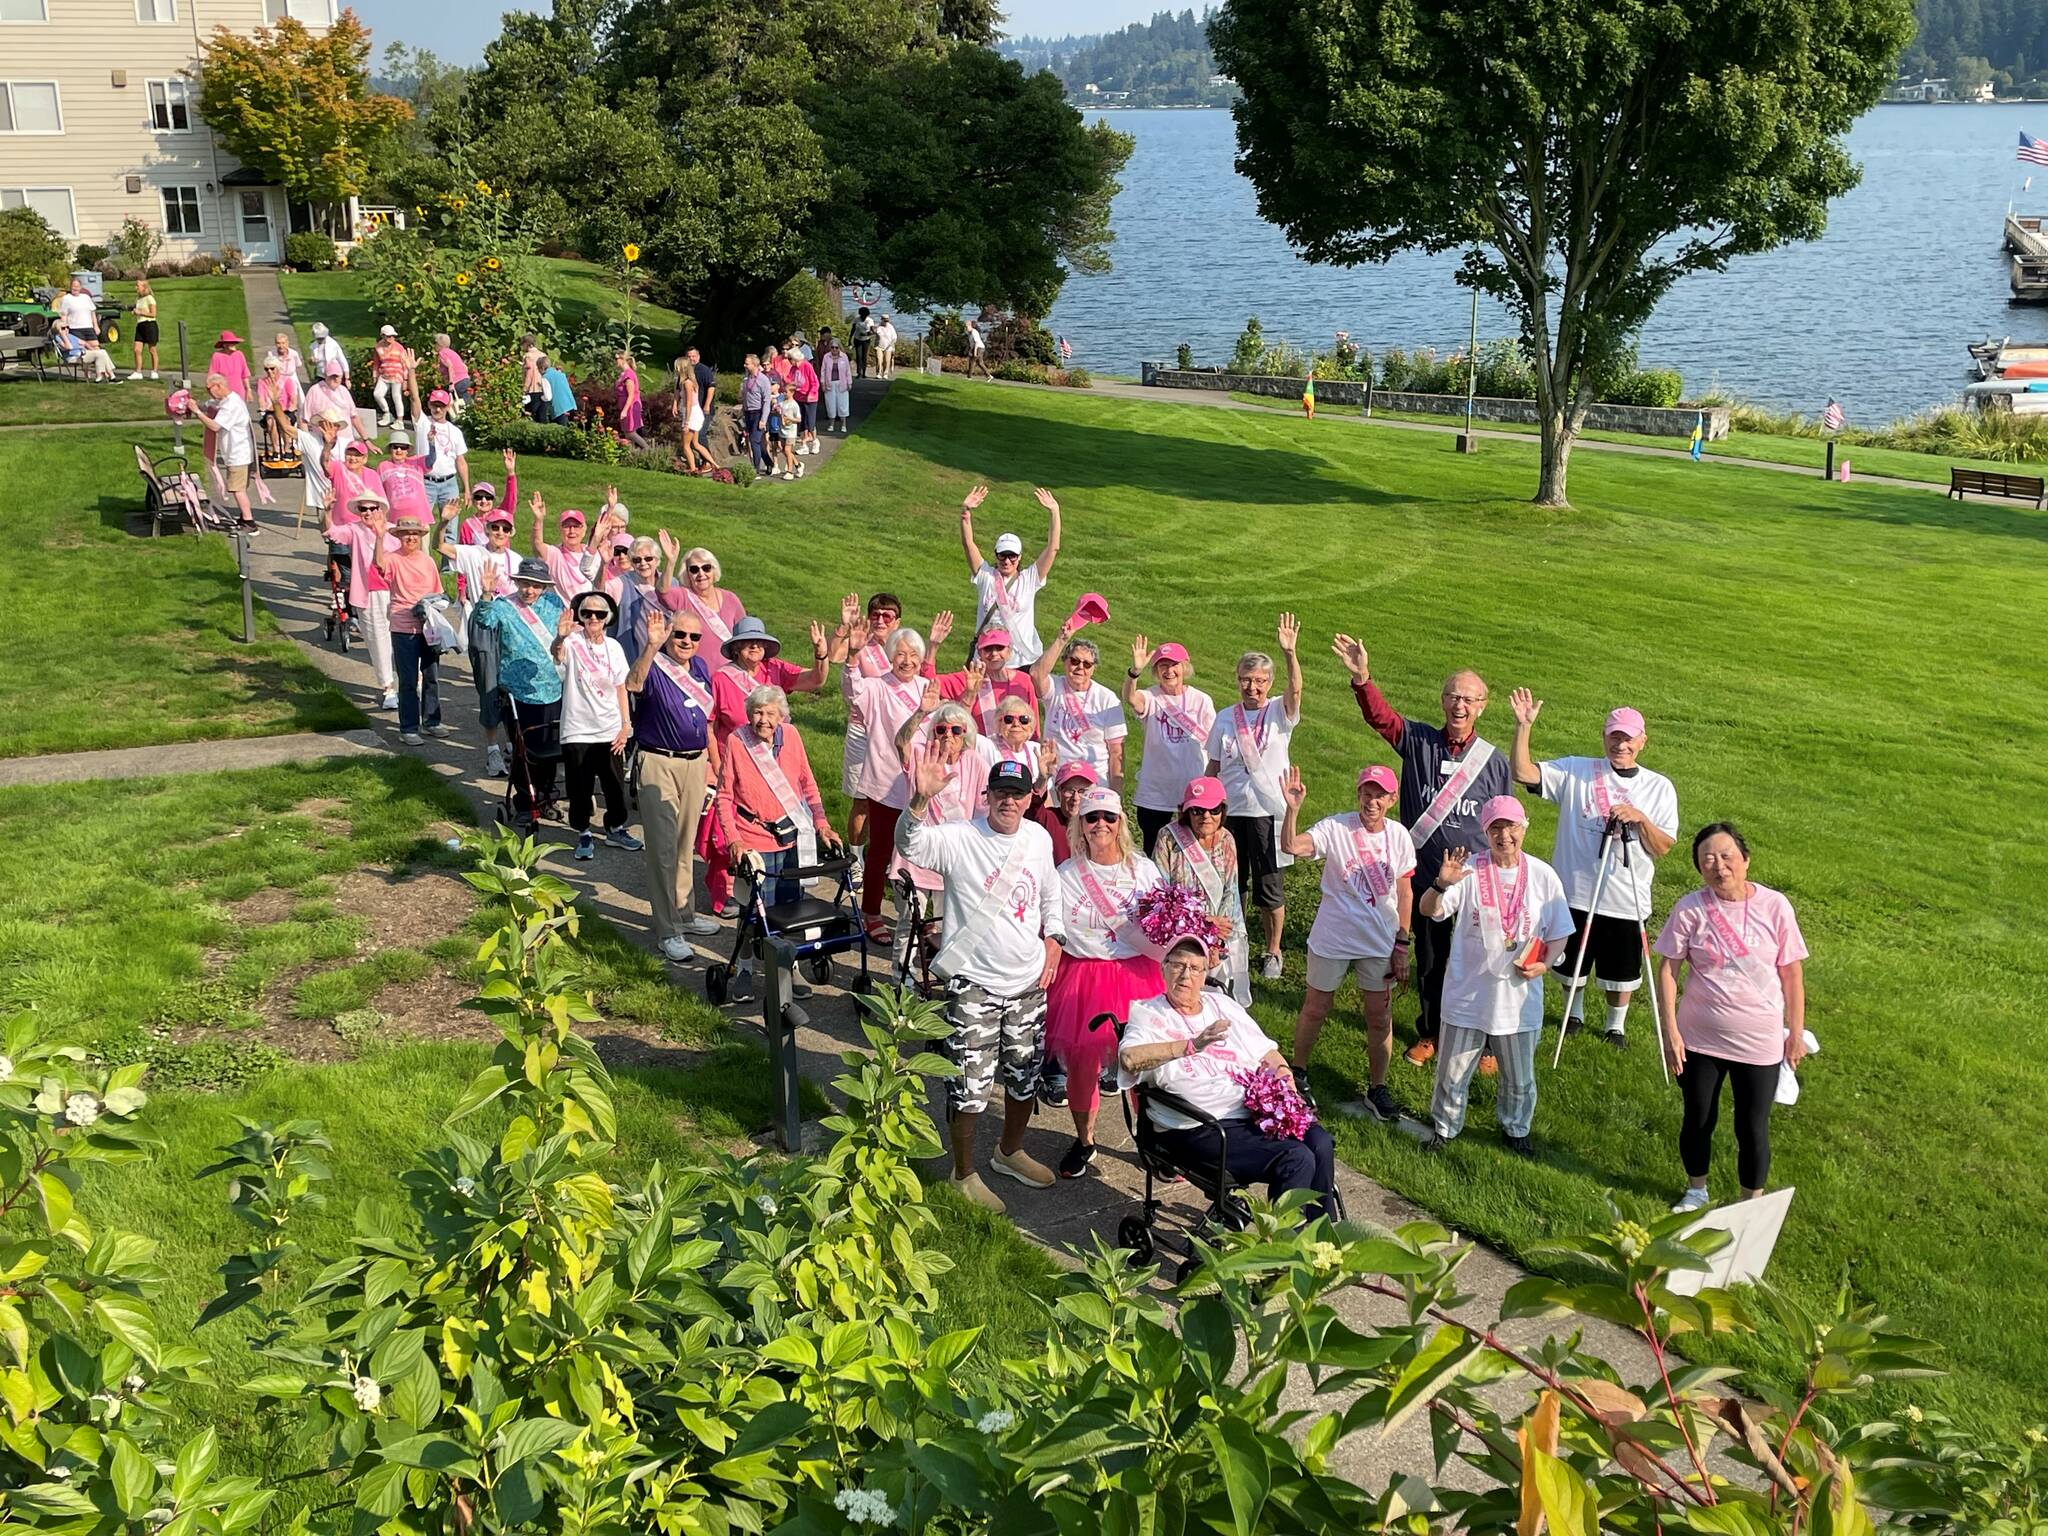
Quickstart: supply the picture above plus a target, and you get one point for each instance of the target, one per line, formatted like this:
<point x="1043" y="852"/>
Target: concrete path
<point x="190" y="757"/>
<point x="268" y="314"/>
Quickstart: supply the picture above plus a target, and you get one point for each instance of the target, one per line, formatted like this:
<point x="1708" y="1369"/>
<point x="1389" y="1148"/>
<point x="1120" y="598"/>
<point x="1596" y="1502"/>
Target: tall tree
<point x="297" y="106"/>
<point x="1586" y="154"/>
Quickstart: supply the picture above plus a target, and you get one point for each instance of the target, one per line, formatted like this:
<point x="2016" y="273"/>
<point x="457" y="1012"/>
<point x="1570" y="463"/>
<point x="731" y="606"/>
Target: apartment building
<point x="99" y="122"/>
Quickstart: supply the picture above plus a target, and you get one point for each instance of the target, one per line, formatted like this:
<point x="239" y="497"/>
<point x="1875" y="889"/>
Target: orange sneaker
<point x="1421" y="1053"/>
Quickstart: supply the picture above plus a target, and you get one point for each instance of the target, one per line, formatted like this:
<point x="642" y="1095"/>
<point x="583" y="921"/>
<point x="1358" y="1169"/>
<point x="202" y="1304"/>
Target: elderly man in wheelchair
<point x="1184" y="1052"/>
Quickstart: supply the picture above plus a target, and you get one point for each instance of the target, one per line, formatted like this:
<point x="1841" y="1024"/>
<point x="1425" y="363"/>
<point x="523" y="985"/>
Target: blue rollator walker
<point x="816" y="928"/>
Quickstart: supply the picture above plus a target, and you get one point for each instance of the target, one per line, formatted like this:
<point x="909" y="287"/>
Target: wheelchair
<point x="816" y="928"/>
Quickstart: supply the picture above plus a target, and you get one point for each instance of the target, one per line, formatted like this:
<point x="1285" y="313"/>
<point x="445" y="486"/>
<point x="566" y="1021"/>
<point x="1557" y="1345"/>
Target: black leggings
<point x="1755" y="1089"/>
<point x="590" y="764"/>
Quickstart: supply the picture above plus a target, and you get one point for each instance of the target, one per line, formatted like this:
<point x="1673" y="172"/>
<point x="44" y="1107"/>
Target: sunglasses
<point x="1095" y="816"/>
<point x="949" y="730"/>
<point x="1016" y="719"/>
<point x="686" y="636"/>
<point x="700" y="570"/>
<point x="1205" y="810"/>
<point x="992" y="651"/>
<point x="586" y="615"/>
<point x="1081" y="664"/>
<point x="645" y="559"/>
<point x="885" y="616"/>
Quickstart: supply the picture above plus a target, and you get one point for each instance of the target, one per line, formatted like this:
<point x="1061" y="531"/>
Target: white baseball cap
<point x="388" y="331"/>
<point x="1009" y="544"/>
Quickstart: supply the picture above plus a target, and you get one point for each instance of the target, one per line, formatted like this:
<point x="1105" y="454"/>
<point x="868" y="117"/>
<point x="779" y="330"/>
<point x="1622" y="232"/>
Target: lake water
<point x="1876" y="313"/>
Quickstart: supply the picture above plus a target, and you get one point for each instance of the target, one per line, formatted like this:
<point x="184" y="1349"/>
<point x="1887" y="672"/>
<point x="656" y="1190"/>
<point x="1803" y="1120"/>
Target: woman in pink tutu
<point x="1108" y="963"/>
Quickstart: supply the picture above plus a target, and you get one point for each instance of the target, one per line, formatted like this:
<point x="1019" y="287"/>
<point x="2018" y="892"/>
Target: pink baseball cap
<point x="1203" y="794"/>
<point x="1626" y="719"/>
<point x="572" y="516"/>
<point x="1077" y="769"/>
<point x="1100" y="799"/>
<point x="1502" y="808"/>
<point x="440" y="397"/>
<point x="621" y="541"/>
<point x="1171" y="651"/>
<point x="990" y="637"/>
<point x="1380" y="776"/>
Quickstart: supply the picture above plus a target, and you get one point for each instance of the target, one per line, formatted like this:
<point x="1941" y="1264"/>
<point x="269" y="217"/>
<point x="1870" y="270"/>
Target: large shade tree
<point x="736" y="146"/>
<point x="1586" y="154"/>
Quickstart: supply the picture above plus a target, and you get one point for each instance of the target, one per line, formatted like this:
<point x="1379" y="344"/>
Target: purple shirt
<point x="664" y="718"/>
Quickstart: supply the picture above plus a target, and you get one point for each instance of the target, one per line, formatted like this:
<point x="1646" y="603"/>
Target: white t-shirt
<point x="591" y="678"/>
<point x="311" y="448"/>
<point x="1271" y="730"/>
<point x="233" y="442"/>
<point x="993" y="940"/>
<point x="1083" y="724"/>
<point x="1352" y="924"/>
<point x="1482" y="989"/>
<point x="1020" y="618"/>
<point x="1092" y="934"/>
<point x="1577" y="785"/>
<point x="1176" y="746"/>
<point x="439" y="444"/>
<point x="486" y="572"/>
<point x="328" y="353"/>
<point x="1204" y="1079"/>
<point x="974" y="337"/>
<point x="78" y="311"/>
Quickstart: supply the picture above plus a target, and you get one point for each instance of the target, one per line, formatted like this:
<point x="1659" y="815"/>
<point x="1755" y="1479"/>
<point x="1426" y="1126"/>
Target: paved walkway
<point x="191" y="757"/>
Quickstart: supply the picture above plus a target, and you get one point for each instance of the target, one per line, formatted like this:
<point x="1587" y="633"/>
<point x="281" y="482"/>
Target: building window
<point x="24" y="10"/>
<point x="181" y="210"/>
<point x="313" y="13"/>
<point x="29" y="106"/>
<point x="53" y="203"/>
<point x="170" y="108"/>
<point x="156" y="10"/>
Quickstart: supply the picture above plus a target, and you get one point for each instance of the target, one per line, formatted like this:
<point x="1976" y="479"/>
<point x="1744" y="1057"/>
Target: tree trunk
<point x="1558" y="433"/>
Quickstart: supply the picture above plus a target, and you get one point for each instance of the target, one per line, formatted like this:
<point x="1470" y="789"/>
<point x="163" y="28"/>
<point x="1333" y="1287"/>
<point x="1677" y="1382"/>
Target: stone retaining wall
<point x="1651" y="421"/>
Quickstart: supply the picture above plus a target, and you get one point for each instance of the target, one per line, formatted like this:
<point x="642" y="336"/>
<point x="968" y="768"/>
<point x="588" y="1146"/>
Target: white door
<point x="259" y="235"/>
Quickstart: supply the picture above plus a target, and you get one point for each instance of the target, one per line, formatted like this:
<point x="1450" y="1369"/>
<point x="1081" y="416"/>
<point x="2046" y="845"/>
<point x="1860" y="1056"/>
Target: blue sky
<point x="458" y="29"/>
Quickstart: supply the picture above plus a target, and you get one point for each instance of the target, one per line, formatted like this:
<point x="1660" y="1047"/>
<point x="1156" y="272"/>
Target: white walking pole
<point x="1571" y="992"/>
<point x="1656" y="1008"/>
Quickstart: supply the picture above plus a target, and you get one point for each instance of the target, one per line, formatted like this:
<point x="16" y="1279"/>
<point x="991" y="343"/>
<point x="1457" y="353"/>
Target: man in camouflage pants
<point x="1002" y="945"/>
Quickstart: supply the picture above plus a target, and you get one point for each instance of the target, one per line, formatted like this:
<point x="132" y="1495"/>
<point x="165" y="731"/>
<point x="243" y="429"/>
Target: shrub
<point x="801" y="304"/>
<point x="309" y="251"/>
<point x="197" y="266"/>
<point x="1647" y="386"/>
<point x="31" y="253"/>
<point x="135" y="245"/>
<point x="231" y="257"/>
<point x="744" y="474"/>
<point x="1184" y="357"/>
<point x="1505" y="372"/>
<point x="1250" y="350"/>
<point x="1075" y="378"/>
<point x="89" y="255"/>
<point x="1021" y="339"/>
<point x="947" y="336"/>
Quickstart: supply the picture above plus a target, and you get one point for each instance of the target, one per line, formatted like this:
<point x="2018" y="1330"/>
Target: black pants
<point x="592" y="763"/>
<point x="1432" y="959"/>
<point x="860" y="358"/>
<point x="1755" y="1090"/>
<point x="1152" y="823"/>
<point x="1278" y="1162"/>
<point x="1259" y="880"/>
<point x="536" y="750"/>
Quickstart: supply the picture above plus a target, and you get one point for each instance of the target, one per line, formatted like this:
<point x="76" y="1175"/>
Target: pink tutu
<point x="1080" y="990"/>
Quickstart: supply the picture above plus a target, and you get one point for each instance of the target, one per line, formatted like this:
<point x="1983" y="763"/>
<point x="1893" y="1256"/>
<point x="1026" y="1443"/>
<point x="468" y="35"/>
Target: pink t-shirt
<point x="884" y="703"/>
<point x="1733" y="1004"/>
<point x="412" y="577"/>
<point x="730" y="611"/>
<point x="729" y="692"/>
<point x="405" y="487"/>
<point x="744" y="787"/>
<point x="453" y="368"/>
<point x="363" y="575"/>
<point x="233" y="367"/>
<point x="571" y="569"/>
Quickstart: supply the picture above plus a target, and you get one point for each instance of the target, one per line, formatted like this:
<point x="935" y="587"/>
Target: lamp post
<point x="1467" y="442"/>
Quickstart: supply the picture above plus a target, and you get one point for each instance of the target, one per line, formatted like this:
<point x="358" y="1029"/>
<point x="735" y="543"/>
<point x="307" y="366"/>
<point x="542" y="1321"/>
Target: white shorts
<point x="855" y="753"/>
<point x="1375" y="974"/>
<point x="696" y="423"/>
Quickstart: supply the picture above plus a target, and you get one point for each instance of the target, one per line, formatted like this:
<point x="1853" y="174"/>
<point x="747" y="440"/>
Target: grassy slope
<point x="207" y="305"/>
<point x="1817" y="661"/>
<point x="122" y="641"/>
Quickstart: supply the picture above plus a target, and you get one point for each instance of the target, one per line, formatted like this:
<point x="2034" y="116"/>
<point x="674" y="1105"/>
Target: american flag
<point x="1832" y="418"/>
<point x="2032" y="150"/>
<point x="1066" y="349"/>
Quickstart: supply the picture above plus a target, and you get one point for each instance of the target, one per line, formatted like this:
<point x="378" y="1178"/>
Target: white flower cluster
<point x="995" y="1421"/>
<point x="1324" y="1257"/>
<point x="61" y="1473"/>
<point x="367" y="1393"/>
<point x="132" y="1382"/>
<point x="864" y="1506"/>
<point x="465" y="1186"/>
<point x="81" y="1109"/>
<point x="109" y="1404"/>
<point x="766" y="1205"/>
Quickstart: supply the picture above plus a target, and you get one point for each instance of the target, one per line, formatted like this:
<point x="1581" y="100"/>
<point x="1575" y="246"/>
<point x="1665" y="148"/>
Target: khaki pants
<point x="671" y="801"/>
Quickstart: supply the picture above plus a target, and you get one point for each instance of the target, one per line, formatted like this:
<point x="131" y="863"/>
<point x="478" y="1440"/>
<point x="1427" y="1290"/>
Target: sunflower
<point x="398" y="287"/>
<point x="632" y="252"/>
<point x="462" y="279"/>
<point x="484" y="187"/>
<point x="491" y="263"/>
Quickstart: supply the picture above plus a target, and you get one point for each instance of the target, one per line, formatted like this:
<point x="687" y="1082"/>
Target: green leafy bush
<point x="89" y="255"/>
<point x="1662" y="387"/>
<point x="1505" y="372"/>
<point x="309" y="251"/>
<point x="1183" y="357"/>
<point x="32" y="254"/>
<point x="947" y="336"/>
<point x="135" y="245"/>
<point x="801" y="304"/>
<point x="1021" y="339"/>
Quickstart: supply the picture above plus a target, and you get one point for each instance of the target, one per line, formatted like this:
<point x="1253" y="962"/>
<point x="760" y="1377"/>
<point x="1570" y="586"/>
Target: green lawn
<point x="207" y="305"/>
<point x="1817" y="661"/>
<point x="108" y="639"/>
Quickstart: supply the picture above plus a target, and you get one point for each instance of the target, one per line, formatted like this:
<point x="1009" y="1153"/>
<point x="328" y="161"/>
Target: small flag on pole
<point x="1699" y="436"/>
<point x="2032" y="150"/>
<point x="1832" y="418"/>
<point x="1066" y="349"/>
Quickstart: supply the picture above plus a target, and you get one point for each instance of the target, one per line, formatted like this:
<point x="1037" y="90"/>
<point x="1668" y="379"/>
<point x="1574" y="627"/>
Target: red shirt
<point x="1017" y="685"/>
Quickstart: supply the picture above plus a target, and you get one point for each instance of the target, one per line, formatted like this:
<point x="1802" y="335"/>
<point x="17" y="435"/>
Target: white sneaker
<point x="789" y="474"/>
<point x="134" y="376"/>
<point x="154" y="374"/>
<point x="800" y="470"/>
<point x="702" y="926"/>
<point x="391" y="699"/>
<point x="1694" y="1199"/>
<point x="679" y="950"/>
<point x="412" y="738"/>
<point x="1270" y="967"/>
<point x="494" y="762"/>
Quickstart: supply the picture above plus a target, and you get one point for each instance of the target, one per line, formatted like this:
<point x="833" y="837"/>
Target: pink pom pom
<point x="1274" y="1103"/>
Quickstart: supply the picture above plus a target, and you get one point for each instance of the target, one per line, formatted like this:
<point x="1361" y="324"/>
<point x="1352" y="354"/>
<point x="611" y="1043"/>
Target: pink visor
<point x="573" y="516"/>
<point x="992" y="637"/>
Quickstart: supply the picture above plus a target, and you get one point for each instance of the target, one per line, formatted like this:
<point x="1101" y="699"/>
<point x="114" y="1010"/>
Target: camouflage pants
<point x="991" y="1032"/>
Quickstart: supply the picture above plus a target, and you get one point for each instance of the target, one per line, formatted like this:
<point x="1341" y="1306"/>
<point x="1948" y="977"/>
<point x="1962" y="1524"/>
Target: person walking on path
<point x="525" y="625"/>
<point x="1447" y="773"/>
<point x="393" y="363"/>
<point x="1742" y="1014"/>
<point x="1363" y="925"/>
<point x="1006" y="590"/>
<point x="1600" y="799"/>
<point x="1248" y="750"/>
<point x="1003" y="935"/>
<point x="595" y="719"/>
<point x="977" y="351"/>
<point x="413" y="577"/>
<point x="234" y="444"/>
<point x="1513" y="926"/>
<point x="885" y="348"/>
<point x="835" y="382"/>
<point x="757" y="394"/>
<point x="1178" y="719"/>
<point x="863" y="335"/>
<point x="679" y="771"/>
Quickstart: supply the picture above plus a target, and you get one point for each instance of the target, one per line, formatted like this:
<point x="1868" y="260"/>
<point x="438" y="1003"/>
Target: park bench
<point x="173" y="494"/>
<point x="27" y="351"/>
<point x="1987" y="482"/>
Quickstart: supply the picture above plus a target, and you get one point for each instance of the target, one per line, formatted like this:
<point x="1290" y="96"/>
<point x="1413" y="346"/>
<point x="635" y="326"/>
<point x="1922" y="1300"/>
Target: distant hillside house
<point x="99" y="122"/>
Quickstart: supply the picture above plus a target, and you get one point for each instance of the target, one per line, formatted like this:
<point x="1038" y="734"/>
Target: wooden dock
<point x="2030" y="280"/>
<point x="2026" y="236"/>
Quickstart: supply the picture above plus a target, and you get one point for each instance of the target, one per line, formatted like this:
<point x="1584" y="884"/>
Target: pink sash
<point x="1733" y="950"/>
<point x="1176" y="724"/>
<point x="1199" y="861"/>
<point x="1074" y="723"/>
<point x="593" y="660"/>
<point x="1603" y="803"/>
<point x="1373" y="871"/>
<point x="686" y="680"/>
<point x="540" y="631"/>
<point x="1115" y="916"/>
<point x="1447" y="798"/>
<point x="1000" y="891"/>
<point x="713" y="620"/>
<point x="1501" y="912"/>
<point x="1250" y="753"/>
<point x="985" y="708"/>
<point x="1004" y="598"/>
<point x="779" y="786"/>
<point x="874" y="661"/>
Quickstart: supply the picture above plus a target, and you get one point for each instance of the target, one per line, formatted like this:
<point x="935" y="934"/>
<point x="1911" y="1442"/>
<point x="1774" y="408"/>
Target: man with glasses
<point x="524" y="628"/>
<point x="1006" y="593"/>
<point x="444" y="453"/>
<point x="1447" y="773"/>
<point x="670" y="685"/>
<point x="1002" y="944"/>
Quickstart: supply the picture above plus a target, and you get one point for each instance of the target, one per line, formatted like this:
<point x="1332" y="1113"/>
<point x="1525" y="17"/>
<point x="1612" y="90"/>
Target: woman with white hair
<point x="1083" y="719"/>
<point x="1107" y="963"/>
<point x="884" y="702"/>
<point x="718" y="609"/>
<point x="1248" y="751"/>
<point x="942" y="730"/>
